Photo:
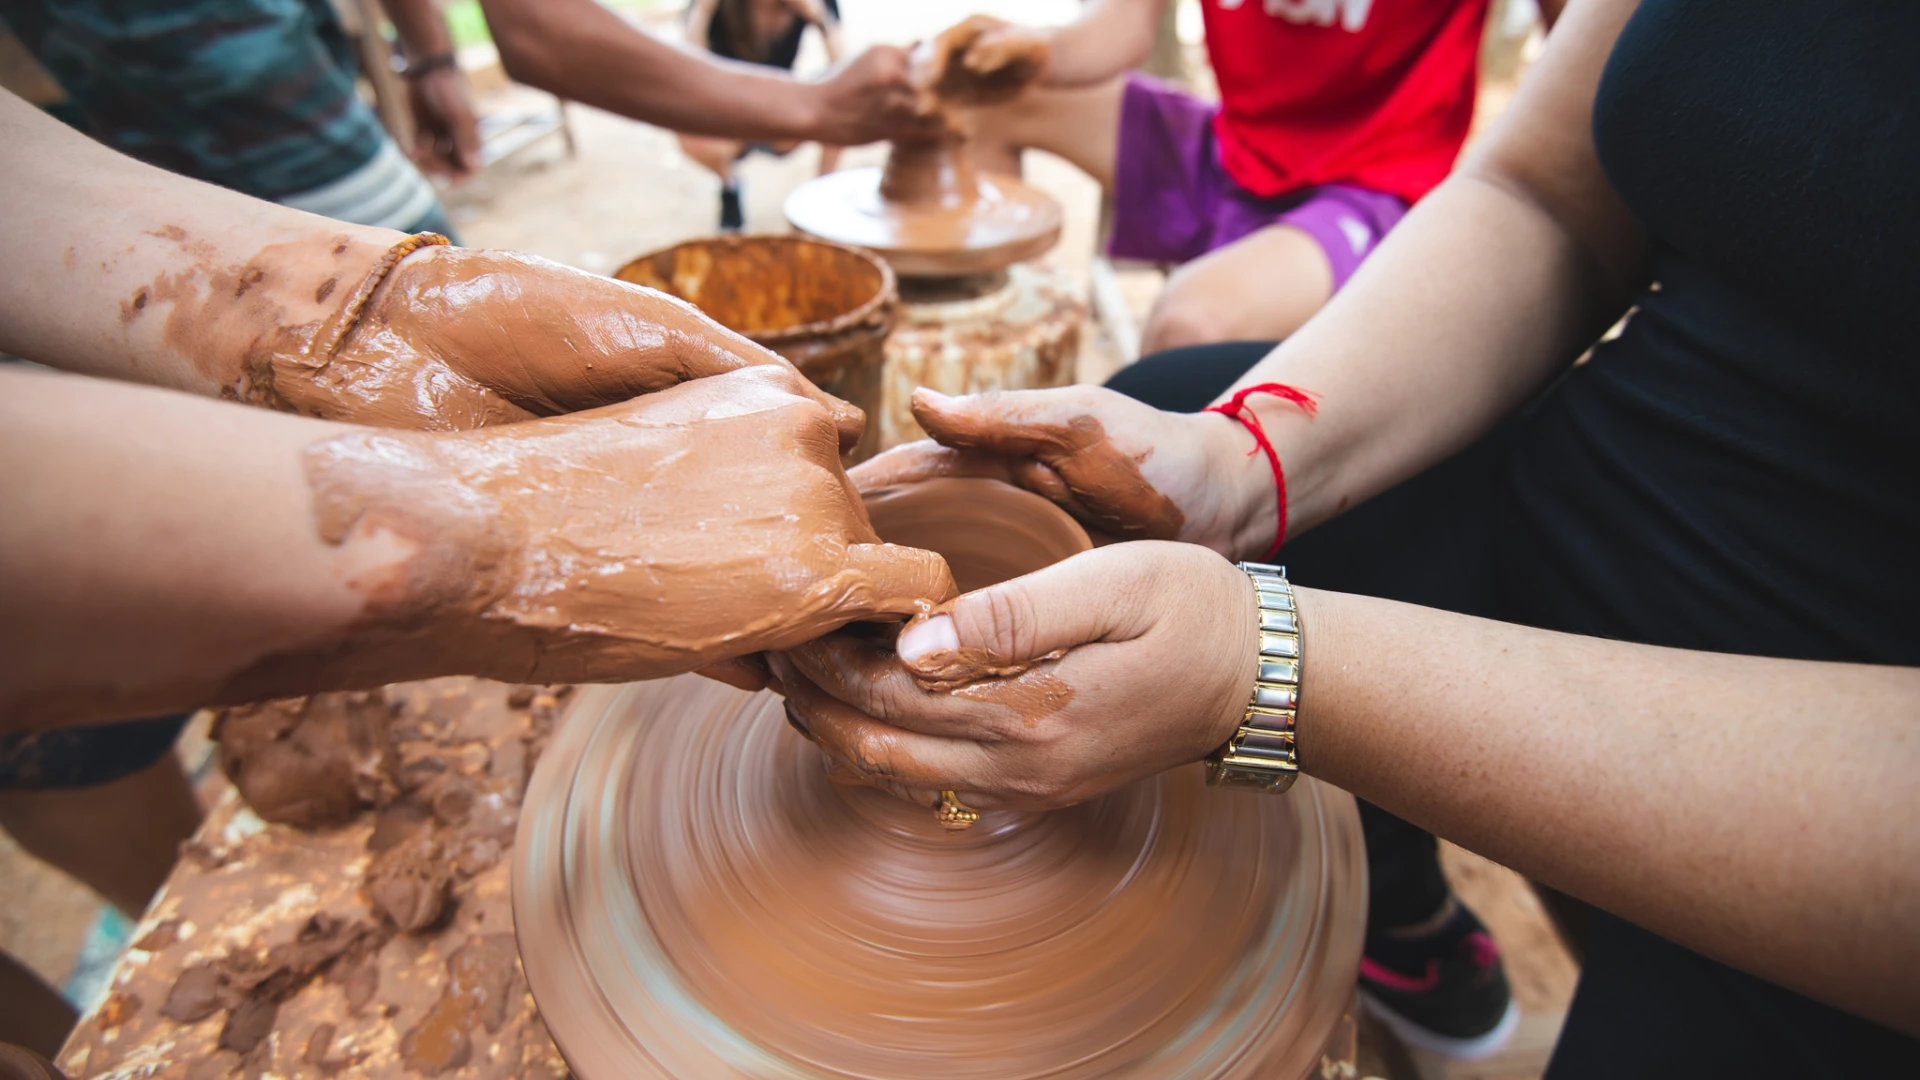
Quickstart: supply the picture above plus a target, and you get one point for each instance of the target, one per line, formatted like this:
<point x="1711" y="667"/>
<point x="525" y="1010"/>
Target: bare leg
<point x="829" y="158"/>
<point x="716" y="155"/>
<point x="119" y="838"/>
<point x="32" y="1014"/>
<point x="1259" y="288"/>
<point x="1082" y="126"/>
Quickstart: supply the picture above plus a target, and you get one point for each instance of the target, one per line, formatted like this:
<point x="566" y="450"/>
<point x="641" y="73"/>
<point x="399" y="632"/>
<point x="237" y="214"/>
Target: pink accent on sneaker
<point x="1406" y="983"/>
<point x="1482" y="950"/>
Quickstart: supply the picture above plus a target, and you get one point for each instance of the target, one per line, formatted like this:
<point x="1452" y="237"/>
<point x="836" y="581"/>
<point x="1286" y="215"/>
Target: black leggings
<point x="1645" y="1006"/>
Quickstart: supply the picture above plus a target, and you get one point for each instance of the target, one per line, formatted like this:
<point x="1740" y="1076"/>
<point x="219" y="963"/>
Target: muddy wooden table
<point x="268" y="953"/>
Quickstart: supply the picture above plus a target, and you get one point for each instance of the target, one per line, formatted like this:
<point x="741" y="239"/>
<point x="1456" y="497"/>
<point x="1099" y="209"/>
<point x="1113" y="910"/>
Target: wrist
<point x="425" y="542"/>
<point x="1259" y="754"/>
<point x="806" y="113"/>
<point x="1249" y="512"/>
<point x="1322" y="664"/>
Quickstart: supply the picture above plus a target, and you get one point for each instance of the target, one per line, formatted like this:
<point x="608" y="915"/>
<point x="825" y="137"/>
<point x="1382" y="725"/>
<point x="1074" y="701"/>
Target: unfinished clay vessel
<point x="928" y="212"/>
<point x="825" y="307"/>
<point x="695" y="900"/>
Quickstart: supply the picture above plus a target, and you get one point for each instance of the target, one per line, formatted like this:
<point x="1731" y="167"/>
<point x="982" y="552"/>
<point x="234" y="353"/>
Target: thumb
<point x="1000" y="629"/>
<point x="1013" y="422"/>
<point x="897" y="580"/>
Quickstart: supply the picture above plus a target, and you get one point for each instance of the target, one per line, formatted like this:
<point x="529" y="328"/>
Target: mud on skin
<point x="641" y="540"/>
<point x="341" y="326"/>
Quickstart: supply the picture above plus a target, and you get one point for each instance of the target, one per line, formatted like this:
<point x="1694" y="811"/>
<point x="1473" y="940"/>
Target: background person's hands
<point x="639" y="540"/>
<point x="1120" y="467"/>
<point x="980" y="60"/>
<point x="446" y="131"/>
<point x="1160" y="644"/>
<point x="459" y="338"/>
<point x="870" y="98"/>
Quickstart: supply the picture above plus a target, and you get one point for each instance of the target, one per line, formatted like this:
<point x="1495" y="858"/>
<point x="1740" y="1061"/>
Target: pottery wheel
<point x="1007" y="222"/>
<point x="695" y="899"/>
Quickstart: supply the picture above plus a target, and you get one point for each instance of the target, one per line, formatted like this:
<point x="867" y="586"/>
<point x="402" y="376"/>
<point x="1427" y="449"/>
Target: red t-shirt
<point x="1371" y="92"/>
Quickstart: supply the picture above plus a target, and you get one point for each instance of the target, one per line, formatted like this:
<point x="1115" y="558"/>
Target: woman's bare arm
<point x="1109" y="37"/>
<point x="1760" y="811"/>
<point x="1494" y="283"/>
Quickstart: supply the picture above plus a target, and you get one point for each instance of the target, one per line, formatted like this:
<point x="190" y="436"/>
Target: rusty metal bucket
<point x="826" y="307"/>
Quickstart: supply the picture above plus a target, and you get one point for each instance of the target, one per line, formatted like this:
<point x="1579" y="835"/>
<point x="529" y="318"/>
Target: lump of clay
<point x="408" y="882"/>
<point x="979" y="60"/>
<point x="309" y="762"/>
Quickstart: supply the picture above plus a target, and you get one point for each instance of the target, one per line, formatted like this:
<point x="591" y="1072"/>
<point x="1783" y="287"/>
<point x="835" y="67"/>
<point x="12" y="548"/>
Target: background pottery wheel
<point x="694" y="899"/>
<point x="1007" y="223"/>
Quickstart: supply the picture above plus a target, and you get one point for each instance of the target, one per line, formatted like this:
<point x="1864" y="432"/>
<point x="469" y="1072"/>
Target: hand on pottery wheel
<point x="639" y="540"/>
<point x="1122" y="468"/>
<point x="1159" y="660"/>
<point x="980" y="60"/>
<point x="454" y="338"/>
<point x="870" y="98"/>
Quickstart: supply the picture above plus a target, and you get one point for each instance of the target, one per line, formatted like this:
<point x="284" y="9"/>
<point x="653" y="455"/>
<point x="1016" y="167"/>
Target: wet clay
<point x="475" y="997"/>
<point x="825" y="308"/>
<point x="929" y="212"/>
<point x="250" y="986"/>
<point x="430" y="337"/>
<point x="308" y="762"/>
<point x="942" y="218"/>
<point x="236" y="922"/>
<point x="407" y="883"/>
<point x="702" y="522"/>
<point x="986" y="530"/>
<point x="695" y="898"/>
<point x="977" y="61"/>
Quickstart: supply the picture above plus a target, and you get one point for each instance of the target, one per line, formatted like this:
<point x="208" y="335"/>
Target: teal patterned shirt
<point x="254" y="95"/>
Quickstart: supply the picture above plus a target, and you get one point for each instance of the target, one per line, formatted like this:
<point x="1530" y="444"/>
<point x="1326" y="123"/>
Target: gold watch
<point x="1260" y="755"/>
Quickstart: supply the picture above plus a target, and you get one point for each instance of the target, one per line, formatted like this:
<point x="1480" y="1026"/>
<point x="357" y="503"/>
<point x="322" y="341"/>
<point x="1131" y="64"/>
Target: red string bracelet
<point x="1236" y="407"/>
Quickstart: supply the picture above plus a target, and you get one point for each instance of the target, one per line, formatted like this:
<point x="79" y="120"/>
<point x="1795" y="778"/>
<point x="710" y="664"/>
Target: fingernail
<point x="799" y="725"/>
<point x="922" y="639"/>
<point x="932" y="395"/>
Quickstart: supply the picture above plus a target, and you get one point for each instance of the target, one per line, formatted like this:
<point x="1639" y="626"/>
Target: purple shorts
<point x="1172" y="202"/>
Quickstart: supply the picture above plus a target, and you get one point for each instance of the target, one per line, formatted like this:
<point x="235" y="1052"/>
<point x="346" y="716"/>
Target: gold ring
<point x="954" y="814"/>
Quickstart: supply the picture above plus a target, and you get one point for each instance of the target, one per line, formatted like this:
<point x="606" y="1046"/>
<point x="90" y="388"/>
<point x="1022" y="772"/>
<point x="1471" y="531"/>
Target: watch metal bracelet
<point x="1260" y="755"/>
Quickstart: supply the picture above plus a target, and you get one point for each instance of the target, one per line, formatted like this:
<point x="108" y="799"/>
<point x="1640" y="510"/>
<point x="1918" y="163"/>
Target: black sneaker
<point x="1445" y="991"/>
<point x="731" y="219"/>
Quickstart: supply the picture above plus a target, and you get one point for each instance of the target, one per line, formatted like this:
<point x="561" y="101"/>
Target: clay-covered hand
<point x="628" y="542"/>
<point x="1121" y="467"/>
<point x="979" y="60"/>
<point x="455" y="338"/>
<point x="1159" y="659"/>
<point x="867" y="99"/>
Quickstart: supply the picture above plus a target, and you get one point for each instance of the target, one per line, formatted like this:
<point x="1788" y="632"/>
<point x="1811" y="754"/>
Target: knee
<point x="1179" y="320"/>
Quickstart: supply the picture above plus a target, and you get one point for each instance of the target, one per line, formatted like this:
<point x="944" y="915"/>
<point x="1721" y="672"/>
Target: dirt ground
<point x="627" y="190"/>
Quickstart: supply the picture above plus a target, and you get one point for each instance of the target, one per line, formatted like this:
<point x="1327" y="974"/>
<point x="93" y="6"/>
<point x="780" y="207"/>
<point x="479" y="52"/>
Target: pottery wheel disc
<point x="1008" y="223"/>
<point x="695" y="899"/>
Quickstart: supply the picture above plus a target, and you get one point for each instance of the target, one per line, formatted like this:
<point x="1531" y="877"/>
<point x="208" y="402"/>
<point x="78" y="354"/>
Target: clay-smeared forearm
<point x="119" y="269"/>
<point x="163" y="552"/>
<point x="1741" y="806"/>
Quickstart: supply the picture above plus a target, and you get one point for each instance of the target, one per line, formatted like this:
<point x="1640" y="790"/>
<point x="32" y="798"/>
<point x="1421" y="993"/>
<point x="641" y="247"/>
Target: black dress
<point x="724" y="38"/>
<point x="1739" y="471"/>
